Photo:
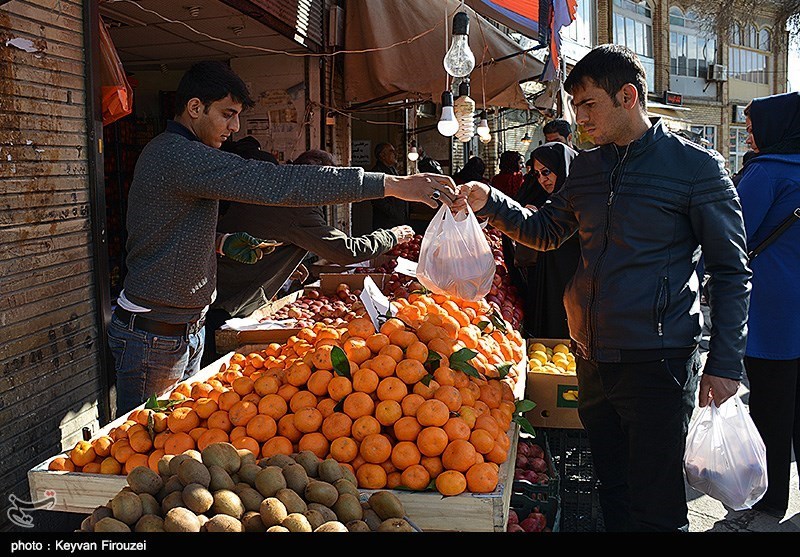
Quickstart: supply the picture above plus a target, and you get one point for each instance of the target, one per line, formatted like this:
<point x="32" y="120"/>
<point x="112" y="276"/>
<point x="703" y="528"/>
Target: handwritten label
<point x="375" y="302"/>
<point x="362" y="149"/>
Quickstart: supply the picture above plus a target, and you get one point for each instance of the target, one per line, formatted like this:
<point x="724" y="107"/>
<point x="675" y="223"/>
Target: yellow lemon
<point x="561" y="348"/>
<point x="536" y="346"/>
<point x="540" y="356"/>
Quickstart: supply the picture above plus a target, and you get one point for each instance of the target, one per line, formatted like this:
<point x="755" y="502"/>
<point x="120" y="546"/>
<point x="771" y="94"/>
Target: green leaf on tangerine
<point x="340" y="362"/>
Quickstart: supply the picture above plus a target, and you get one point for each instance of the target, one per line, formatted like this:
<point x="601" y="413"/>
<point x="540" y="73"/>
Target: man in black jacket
<point x="643" y="203"/>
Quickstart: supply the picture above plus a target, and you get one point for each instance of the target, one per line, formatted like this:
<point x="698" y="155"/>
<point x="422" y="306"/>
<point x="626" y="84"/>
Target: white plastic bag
<point x="725" y="456"/>
<point x="455" y="257"/>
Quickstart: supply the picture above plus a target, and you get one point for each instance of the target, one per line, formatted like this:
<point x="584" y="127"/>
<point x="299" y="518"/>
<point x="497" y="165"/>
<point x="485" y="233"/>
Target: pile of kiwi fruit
<point x="225" y="489"/>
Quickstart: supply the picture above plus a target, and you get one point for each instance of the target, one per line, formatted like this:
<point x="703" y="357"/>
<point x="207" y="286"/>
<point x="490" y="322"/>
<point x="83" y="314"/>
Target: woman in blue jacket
<point x="769" y="190"/>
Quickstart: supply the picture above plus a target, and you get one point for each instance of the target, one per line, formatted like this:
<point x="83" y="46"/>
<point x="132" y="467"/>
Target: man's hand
<point x="403" y="233"/>
<point x="476" y="194"/>
<point x="300" y="274"/>
<point x="430" y="189"/>
<point x="718" y="389"/>
<point x="244" y="248"/>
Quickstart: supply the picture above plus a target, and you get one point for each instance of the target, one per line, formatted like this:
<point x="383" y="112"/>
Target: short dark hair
<point x="380" y="147"/>
<point x="316" y="157"/>
<point x="559" y="126"/>
<point x="211" y="81"/>
<point x="610" y="66"/>
<point x="509" y="161"/>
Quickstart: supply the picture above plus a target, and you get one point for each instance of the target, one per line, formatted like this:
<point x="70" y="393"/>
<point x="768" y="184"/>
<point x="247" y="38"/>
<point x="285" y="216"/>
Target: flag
<point x="562" y="15"/>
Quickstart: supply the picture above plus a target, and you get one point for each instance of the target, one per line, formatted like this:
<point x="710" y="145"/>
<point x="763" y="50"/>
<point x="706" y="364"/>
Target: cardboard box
<point x="548" y="390"/>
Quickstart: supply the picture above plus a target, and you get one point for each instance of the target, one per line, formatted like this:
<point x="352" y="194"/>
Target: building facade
<point x="697" y="81"/>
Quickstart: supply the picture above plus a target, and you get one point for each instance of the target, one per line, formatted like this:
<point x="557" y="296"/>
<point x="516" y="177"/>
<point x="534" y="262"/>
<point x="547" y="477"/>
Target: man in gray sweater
<point x="156" y="333"/>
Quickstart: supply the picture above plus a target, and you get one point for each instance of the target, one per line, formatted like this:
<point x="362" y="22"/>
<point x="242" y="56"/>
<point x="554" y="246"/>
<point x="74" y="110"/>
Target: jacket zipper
<point x="614" y="179"/>
<point x="661" y="307"/>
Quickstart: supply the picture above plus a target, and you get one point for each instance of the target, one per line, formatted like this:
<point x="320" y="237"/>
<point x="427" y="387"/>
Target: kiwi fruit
<point x="220" y="479"/>
<point x="193" y="453"/>
<point x="100" y="513"/>
<point x="279" y="460"/>
<point x="296" y="477"/>
<point x="386" y="504"/>
<point x="296" y="522"/>
<point x="343" y="485"/>
<point x="309" y="461"/>
<point x="110" y="524"/>
<point x="163" y="465"/>
<point x="349" y="475"/>
<point x="222" y="454"/>
<point x="247" y="473"/>
<point x="172" y="500"/>
<point x="175" y="461"/>
<point x="293" y="502"/>
<point x="149" y="523"/>
<point x="144" y="480"/>
<point x="223" y="523"/>
<point x="191" y="471"/>
<point x="251" y="521"/>
<point x="251" y="498"/>
<point x="246" y="456"/>
<point x="86" y="524"/>
<point x="315" y="518"/>
<point x="395" y="525"/>
<point x="127" y="507"/>
<point x="181" y="519"/>
<point x="227" y="502"/>
<point x="321" y="492"/>
<point x="270" y="480"/>
<point x="272" y="511"/>
<point x="173" y="483"/>
<point x="372" y="519"/>
<point x="149" y="504"/>
<point x="333" y="526"/>
<point x="348" y="508"/>
<point x="277" y="528"/>
<point x="326" y="512"/>
<point x="197" y="498"/>
<point x="357" y="526"/>
<point x="330" y="470"/>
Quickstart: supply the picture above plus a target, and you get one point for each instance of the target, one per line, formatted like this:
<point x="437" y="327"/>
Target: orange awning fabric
<point x="413" y="67"/>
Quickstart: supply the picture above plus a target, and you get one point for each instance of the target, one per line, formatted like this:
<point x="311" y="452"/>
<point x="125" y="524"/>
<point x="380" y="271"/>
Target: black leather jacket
<point x="642" y="213"/>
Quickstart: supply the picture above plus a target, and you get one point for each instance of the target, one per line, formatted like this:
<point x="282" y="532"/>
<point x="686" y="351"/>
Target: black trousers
<point x="636" y="416"/>
<point x="774" y="402"/>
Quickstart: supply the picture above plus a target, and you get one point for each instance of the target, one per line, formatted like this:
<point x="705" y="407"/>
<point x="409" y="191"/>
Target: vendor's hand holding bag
<point x="725" y="456"/>
<point x="455" y="257"/>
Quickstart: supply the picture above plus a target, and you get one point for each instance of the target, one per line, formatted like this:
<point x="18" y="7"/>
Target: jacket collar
<point x="180" y="129"/>
<point x="656" y="132"/>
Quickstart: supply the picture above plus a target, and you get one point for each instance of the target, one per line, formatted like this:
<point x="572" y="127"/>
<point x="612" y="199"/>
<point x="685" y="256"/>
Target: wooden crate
<point x="82" y="493"/>
<point x="468" y="512"/>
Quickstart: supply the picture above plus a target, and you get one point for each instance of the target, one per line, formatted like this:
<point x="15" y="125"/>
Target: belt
<point x="141" y="322"/>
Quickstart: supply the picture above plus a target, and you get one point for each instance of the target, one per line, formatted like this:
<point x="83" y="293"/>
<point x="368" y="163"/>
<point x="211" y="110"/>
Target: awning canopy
<point x="406" y="45"/>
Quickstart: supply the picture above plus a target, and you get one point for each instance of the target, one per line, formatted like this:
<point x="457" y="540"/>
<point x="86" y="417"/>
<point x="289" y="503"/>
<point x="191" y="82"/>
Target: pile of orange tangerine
<point x="396" y="417"/>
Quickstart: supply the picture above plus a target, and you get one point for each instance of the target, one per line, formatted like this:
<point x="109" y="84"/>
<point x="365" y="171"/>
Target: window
<point x="737" y="147"/>
<point x="709" y="133"/>
<point x="690" y="50"/>
<point x="582" y="29"/>
<point x="633" y="26"/>
<point x="750" y="58"/>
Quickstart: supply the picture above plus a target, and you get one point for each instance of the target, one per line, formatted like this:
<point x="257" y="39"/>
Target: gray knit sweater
<point x="172" y="214"/>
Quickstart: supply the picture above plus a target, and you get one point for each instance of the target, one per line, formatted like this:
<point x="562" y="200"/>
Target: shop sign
<point x="672" y="98"/>
<point x="361" y="151"/>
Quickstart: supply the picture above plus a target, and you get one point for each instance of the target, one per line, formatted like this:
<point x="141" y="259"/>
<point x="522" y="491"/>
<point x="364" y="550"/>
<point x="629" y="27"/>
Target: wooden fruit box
<point x="82" y="493"/>
<point x="77" y="492"/>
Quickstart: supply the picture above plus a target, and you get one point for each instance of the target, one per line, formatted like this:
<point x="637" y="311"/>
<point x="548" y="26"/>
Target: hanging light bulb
<point x="413" y="154"/>
<point x="485" y="138"/>
<point x="526" y="139"/>
<point x="464" y="108"/>
<point x="483" y="126"/>
<point x="448" y="125"/>
<point x="459" y="60"/>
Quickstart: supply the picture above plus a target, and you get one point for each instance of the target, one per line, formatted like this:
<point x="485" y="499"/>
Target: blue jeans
<point x="148" y="364"/>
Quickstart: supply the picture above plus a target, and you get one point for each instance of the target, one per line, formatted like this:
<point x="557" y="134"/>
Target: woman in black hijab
<point x="548" y="276"/>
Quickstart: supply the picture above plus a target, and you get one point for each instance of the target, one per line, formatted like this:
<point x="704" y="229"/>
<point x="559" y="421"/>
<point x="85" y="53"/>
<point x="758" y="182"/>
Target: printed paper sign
<point x="375" y="302"/>
<point x="406" y="267"/>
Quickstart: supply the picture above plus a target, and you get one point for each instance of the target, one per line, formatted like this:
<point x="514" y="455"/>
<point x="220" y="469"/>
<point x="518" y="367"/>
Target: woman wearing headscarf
<point x="769" y="191"/>
<point x="544" y="312"/>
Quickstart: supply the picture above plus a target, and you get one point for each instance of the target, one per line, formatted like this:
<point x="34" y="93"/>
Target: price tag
<point x="375" y="302"/>
<point x="406" y="267"/>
